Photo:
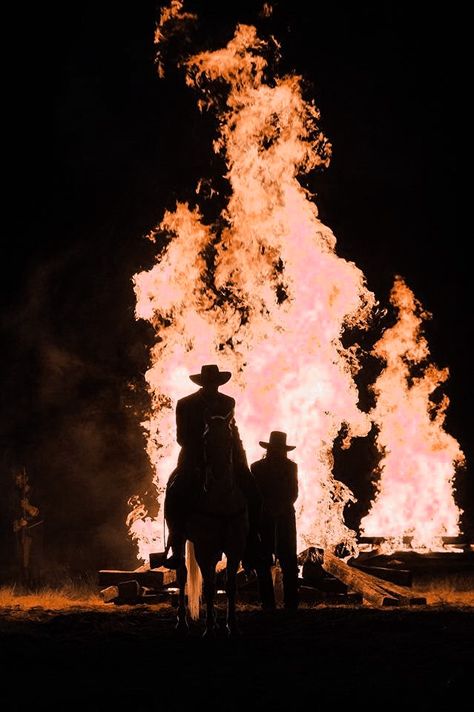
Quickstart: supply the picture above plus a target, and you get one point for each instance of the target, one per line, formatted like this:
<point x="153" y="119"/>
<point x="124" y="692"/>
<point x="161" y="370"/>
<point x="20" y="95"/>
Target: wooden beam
<point x="109" y="594"/>
<point x="129" y="590"/>
<point x="360" y="582"/>
<point x="450" y="540"/>
<point x="156" y="559"/>
<point x="401" y="577"/>
<point x="152" y="578"/>
<point x="406" y="596"/>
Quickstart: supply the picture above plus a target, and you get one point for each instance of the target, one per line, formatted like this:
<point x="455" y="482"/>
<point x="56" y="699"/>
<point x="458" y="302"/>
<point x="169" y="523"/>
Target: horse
<point x="218" y="524"/>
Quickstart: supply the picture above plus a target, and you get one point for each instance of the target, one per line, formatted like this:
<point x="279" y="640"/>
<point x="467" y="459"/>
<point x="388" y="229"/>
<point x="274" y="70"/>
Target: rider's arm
<point x="180" y="424"/>
<point x="294" y="482"/>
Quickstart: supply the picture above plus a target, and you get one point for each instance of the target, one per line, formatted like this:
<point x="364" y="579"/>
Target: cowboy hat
<point x="210" y="374"/>
<point x="277" y="441"/>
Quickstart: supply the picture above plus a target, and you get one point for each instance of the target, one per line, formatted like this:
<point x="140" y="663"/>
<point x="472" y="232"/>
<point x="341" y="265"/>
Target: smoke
<point x="69" y="415"/>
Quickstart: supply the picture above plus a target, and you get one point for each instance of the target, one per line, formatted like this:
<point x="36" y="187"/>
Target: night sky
<point x="101" y="147"/>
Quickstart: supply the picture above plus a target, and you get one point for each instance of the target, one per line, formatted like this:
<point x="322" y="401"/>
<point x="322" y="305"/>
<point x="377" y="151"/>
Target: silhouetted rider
<point x="187" y="480"/>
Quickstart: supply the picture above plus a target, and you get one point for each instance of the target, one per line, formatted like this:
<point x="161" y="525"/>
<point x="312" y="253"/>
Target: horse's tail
<point x="194" y="581"/>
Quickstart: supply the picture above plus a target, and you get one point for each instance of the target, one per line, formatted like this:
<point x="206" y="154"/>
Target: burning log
<point x="371" y="591"/>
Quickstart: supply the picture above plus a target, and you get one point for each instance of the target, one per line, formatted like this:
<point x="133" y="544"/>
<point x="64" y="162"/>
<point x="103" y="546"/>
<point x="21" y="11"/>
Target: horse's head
<point x="217" y="433"/>
<point x="217" y="443"/>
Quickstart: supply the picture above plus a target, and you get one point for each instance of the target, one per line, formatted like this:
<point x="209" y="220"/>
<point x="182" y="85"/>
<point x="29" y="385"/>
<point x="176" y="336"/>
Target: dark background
<point x="100" y="146"/>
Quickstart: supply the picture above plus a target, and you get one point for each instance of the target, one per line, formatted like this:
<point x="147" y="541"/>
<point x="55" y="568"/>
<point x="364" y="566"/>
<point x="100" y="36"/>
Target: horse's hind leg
<point x="231" y="588"/>
<point x="181" y="578"/>
<point x="209" y="587"/>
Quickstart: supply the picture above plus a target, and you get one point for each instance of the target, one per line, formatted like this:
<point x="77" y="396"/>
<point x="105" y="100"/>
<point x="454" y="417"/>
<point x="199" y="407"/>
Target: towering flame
<point x="419" y="458"/>
<point x="264" y="295"/>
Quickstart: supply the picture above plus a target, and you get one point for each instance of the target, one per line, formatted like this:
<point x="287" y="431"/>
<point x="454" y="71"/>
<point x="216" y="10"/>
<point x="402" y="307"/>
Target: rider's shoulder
<point x="228" y="400"/>
<point x="258" y="465"/>
<point x="192" y="398"/>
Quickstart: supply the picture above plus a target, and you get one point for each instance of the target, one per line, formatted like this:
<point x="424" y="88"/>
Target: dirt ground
<point x="87" y="655"/>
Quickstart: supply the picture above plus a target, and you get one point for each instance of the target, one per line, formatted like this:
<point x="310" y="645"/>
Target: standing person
<point x="25" y="528"/>
<point x="193" y="414"/>
<point x="277" y="480"/>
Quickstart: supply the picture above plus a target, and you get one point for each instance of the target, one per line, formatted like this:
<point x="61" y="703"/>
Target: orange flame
<point x="415" y="496"/>
<point x="265" y="297"/>
<point x="171" y="16"/>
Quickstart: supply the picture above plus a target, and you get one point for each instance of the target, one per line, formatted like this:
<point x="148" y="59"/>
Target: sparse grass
<point x="450" y="598"/>
<point x="82" y="592"/>
<point x="69" y="595"/>
<point x="454" y="589"/>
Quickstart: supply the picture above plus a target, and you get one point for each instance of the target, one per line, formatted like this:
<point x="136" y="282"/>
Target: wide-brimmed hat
<point x="277" y="441"/>
<point x="210" y="374"/>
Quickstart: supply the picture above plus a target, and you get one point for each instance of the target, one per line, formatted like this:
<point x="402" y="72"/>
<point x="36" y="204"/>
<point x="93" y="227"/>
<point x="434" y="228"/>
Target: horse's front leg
<point x="209" y="588"/>
<point x="181" y="578"/>
<point x="231" y="589"/>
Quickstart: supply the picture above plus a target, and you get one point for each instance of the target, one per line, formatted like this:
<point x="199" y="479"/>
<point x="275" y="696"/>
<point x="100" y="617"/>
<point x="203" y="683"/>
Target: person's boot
<point x="177" y="544"/>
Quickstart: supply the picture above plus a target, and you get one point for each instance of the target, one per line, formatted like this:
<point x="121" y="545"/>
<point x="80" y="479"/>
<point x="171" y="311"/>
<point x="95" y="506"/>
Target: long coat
<point x="277" y="481"/>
